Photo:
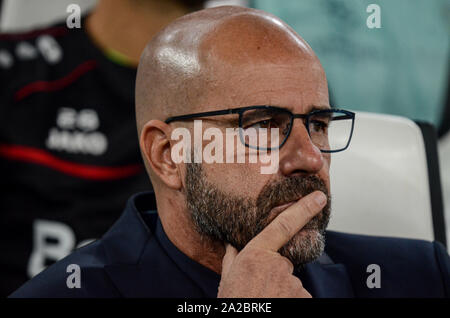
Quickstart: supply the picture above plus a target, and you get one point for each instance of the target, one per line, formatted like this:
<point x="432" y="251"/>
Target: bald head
<point x="202" y="54"/>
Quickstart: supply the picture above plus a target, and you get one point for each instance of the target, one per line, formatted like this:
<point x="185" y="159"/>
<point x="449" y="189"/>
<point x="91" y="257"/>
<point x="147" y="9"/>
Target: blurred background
<point x="399" y="68"/>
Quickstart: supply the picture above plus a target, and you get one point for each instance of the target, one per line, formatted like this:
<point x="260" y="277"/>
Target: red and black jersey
<point x="69" y="155"/>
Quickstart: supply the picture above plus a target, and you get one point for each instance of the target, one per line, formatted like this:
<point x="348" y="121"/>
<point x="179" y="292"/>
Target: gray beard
<point x="222" y="217"/>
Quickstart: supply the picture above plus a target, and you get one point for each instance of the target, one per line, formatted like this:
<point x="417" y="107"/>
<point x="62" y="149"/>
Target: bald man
<point x="222" y="227"/>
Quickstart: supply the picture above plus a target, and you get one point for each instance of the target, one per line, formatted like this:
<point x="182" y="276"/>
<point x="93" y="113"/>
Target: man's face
<point x="233" y="202"/>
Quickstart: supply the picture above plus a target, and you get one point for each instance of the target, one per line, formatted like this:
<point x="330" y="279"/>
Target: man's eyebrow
<point x="310" y="109"/>
<point x="318" y="107"/>
<point x="232" y="120"/>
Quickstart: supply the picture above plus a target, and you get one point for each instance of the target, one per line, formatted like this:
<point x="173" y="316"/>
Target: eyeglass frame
<point x="241" y="110"/>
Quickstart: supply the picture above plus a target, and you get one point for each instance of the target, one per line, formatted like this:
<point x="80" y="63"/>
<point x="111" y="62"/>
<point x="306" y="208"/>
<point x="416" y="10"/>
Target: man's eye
<point x="319" y="126"/>
<point x="267" y="123"/>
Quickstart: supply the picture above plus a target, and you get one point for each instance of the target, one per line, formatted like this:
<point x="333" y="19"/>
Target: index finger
<point x="289" y="222"/>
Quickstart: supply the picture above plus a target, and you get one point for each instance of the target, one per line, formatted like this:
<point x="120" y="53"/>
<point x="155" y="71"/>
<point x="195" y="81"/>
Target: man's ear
<point x="156" y="148"/>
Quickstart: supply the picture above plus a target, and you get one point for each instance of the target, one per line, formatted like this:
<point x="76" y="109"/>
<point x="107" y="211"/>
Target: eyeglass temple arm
<point x="334" y="118"/>
<point x="203" y="114"/>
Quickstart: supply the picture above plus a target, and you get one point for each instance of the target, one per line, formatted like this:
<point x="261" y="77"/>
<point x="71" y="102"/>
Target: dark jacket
<point x="131" y="261"/>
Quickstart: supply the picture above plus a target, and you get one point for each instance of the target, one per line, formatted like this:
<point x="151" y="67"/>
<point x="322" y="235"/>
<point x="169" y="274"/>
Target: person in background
<point x="69" y="156"/>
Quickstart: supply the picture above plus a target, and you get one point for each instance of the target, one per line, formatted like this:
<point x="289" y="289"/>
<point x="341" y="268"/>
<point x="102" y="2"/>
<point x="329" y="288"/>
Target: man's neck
<point x="178" y="226"/>
<point x="126" y="26"/>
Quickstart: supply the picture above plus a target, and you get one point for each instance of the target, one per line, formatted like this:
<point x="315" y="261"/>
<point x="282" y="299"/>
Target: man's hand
<point x="258" y="270"/>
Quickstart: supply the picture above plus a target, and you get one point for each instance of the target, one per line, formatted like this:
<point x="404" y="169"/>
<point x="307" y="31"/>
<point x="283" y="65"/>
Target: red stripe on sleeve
<point x="48" y="86"/>
<point x="41" y="157"/>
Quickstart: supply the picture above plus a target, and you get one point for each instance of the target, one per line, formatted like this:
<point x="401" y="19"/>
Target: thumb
<point x="228" y="259"/>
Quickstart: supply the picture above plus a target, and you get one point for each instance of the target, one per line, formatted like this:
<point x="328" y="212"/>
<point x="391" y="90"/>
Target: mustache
<point x="287" y="190"/>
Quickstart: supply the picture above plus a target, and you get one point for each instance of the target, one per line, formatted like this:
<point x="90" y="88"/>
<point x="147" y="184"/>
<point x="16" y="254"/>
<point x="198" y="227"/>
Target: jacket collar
<point x="126" y="239"/>
<point x="138" y="265"/>
<point x="325" y="279"/>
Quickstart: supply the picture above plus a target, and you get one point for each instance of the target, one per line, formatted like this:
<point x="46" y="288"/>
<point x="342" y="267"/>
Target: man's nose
<point x="299" y="154"/>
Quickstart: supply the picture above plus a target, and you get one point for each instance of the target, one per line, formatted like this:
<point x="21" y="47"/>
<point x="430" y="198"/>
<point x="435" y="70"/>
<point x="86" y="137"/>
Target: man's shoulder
<point x="81" y="274"/>
<point x="335" y="239"/>
<point x="402" y="262"/>
<point x="122" y="245"/>
<point x="357" y="248"/>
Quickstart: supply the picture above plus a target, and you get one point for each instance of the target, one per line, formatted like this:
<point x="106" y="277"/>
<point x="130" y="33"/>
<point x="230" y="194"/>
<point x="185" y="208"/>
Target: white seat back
<point x="379" y="185"/>
<point x="444" y="161"/>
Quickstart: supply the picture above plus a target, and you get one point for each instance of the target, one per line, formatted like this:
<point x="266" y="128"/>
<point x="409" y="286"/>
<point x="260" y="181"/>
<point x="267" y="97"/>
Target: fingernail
<point x="320" y="198"/>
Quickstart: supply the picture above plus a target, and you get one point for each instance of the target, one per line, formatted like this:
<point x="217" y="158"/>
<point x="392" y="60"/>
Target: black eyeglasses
<point x="330" y="130"/>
